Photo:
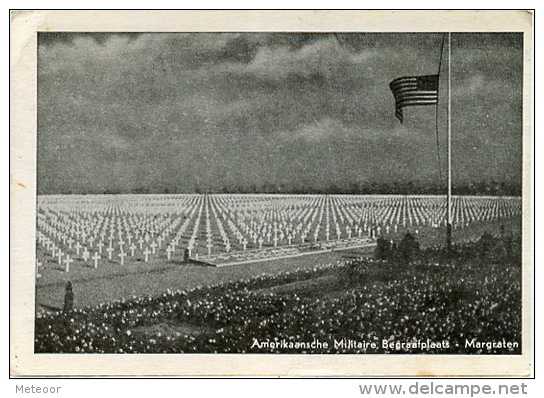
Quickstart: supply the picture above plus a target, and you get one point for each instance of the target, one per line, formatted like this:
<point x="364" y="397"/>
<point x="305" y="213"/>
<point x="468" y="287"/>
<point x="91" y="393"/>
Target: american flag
<point x="414" y="91"/>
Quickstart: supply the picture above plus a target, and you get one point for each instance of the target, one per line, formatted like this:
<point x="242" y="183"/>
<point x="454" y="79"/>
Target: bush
<point x="384" y="249"/>
<point x="408" y="247"/>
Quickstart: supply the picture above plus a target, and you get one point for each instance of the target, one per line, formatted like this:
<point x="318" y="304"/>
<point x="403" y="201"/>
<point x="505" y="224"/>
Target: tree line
<point x="483" y="187"/>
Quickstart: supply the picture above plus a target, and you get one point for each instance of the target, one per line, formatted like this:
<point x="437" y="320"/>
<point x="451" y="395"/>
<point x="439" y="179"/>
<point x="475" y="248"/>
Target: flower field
<point x="353" y="306"/>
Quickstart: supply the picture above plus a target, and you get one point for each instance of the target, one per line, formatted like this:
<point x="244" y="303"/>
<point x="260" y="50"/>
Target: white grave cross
<point x="122" y="256"/>
<point x="110" y="251"/>
<point x="96" y="257"/>
<point x="147" y="252"/>
<point x="67" y="262"/>
<point x="86" y="254"/>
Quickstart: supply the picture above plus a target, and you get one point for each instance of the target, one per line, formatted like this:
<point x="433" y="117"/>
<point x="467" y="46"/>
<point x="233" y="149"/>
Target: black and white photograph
<point x="281" y="192"/>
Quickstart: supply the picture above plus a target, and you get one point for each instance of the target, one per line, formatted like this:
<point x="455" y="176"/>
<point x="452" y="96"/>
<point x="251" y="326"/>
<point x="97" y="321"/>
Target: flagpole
<point x="449" y="218"/>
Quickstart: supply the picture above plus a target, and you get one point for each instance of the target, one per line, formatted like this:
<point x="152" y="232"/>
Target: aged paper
<point x="52" y="172"/>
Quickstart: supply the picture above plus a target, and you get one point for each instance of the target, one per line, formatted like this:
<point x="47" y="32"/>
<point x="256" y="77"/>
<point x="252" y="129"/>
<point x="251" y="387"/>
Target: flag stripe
<point x="415" y="99"/>
<point x="405" y="84"/>
<point x="416" y="96"/>
<point x="411" y="89"/>
<point x="414" y="103"/>
<point x="404" y="79"/>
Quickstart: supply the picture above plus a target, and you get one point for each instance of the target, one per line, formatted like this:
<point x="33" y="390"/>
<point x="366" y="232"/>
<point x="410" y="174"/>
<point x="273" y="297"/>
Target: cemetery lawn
<point x="94" y="286"/>
<point x="136" y="278"/>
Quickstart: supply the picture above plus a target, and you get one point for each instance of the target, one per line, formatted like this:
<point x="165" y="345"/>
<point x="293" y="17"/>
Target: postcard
<point x="271" y="193"/>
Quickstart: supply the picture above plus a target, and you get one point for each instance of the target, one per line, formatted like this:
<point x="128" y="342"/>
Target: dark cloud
<point x="125" y="111"/>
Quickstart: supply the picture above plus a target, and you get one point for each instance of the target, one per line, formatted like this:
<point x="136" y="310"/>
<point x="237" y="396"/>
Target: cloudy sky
<point x="211" y="111"/>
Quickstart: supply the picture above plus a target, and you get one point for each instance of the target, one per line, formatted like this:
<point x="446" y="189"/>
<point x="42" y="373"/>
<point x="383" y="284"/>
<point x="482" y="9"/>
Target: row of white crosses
<point x="413" y="211"/>
<point x="156" y="227"/>
<point x="61" y="255"/>
<point x="115" y="244"/>
<point x="344" y="217"/>
<point x="266" y="226"/>
<point x="295" y="229"/>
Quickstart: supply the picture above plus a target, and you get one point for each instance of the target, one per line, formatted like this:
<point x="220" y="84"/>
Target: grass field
<point x="136" y="278"/>
<point x="436" y="302"/>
